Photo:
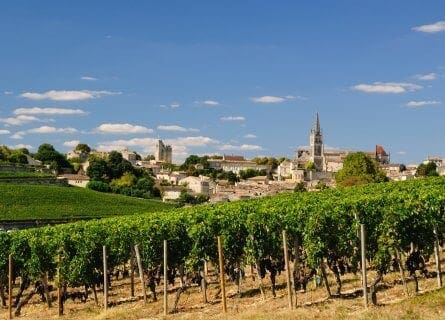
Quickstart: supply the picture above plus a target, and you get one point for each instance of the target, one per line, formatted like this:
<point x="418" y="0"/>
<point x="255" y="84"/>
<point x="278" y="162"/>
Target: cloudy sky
<point x="234" y="77"/>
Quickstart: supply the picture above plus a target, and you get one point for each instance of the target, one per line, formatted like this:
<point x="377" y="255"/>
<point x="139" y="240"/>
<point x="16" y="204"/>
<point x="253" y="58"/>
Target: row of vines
<point x="395" y="216"/>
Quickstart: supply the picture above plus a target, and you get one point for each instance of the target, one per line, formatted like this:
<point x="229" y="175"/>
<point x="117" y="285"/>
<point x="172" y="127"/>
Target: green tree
<point x="117" y="165"/>
<point x="232" y="177"/>
<point x="193" y="160"/>
<point x="321" y="186"/>
<point x="127" y="180"/>
<point x="249" y="173"/>
<point x="310" y="166"/>
<point x="359" y="168"/>
<point x="48" y="155"/>
<point x="17" y="156"/>
<point x="83" y="147"/>
<point x="300" y="187"/>
<point x="98" y="169"/>
<point x="98" y="186"/>
<point x="427" y="170"/>
<point x="149" y="157"/>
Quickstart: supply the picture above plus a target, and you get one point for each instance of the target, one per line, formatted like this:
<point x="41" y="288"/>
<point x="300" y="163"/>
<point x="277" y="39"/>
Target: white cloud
<point x="243" y="147"/>
<point x="422" y="103"/>
<point x="209" y="102"/>
<point x="401" y="152"/>
<point x="275" y="99"/>
<point x="177" y="128"/>
<point x="87" y="78"/>
<point x="426" y="77"/>
<point x="21" y="145"/>
<point x="387" y="87"/>
<point x="5" y="131"/>
<point x="71" y="144"/>
<point x="18" y="135"/>
<point x="49" y="111"/>
<point x="47" y="129"/>
<point x="431" y="28"/>
<point x="181" y="146"/>
<point x="7" y="92"/>
<point x="172" y="105"/>
<point x="43" y="130"/>
<point x="250" y="136"/>
<point x="198" y="141"/>
<point x="67" y="95"/>
<point x="122" y="128"/>
<point x="19" y="120"/>
<point x="233" y="118"/>
<point x="268" y="99"/>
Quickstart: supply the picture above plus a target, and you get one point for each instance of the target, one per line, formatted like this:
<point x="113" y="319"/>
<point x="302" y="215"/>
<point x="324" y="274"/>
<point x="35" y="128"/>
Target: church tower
<point x="316" y="145"/>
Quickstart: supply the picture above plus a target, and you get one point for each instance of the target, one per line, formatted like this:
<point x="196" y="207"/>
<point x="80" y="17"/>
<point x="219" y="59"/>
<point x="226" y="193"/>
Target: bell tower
<point x="316" y="145"/>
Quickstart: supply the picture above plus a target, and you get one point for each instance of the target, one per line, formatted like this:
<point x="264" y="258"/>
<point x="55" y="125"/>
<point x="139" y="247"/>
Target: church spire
<point x="316" y="124"/>
<point x="316" y="145"/>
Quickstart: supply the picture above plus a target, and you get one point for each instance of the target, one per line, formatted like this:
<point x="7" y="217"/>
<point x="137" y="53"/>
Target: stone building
<point x="325" y="161"/>
<point x="163" y="152"/>
<point x="235" y="164"/>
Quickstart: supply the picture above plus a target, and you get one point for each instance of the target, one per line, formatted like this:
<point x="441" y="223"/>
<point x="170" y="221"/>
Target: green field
<point x="24" y="175"/>
<point x="25" y="202"/>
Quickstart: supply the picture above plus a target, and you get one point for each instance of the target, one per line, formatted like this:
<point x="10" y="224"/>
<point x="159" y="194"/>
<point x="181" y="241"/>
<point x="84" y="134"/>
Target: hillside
<point x="24" y="202"/>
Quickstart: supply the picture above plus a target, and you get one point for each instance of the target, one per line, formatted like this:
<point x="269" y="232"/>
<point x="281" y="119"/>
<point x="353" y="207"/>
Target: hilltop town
<point x="217" y="178"/>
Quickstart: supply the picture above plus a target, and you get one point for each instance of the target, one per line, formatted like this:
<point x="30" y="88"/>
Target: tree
<point x="117" y="165"/>
<point x="310" y="166"/>
<point x="427" y="170"/>
<point x="149" y="157"/>
<point x="249" y="173"/>
<point x="48" y="155"/>
<point x="17" y="157"/>
<point x="321" y="185"/>
<point x="98" y="169"/>
<point x="83" y="147"/>
<point x="98" y="186"/>
<point x="127" y="180"/>
<point x="359" y="168"/>
<point x="193" y="160"/>
<point x="232" y="177"/>
<point x="300" y="187"/>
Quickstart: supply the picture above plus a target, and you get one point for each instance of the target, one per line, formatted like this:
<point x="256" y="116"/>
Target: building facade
<point x="163" y="152"/>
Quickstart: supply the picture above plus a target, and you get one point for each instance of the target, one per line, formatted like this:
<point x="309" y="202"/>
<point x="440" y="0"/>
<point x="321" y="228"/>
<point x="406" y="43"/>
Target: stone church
<point x="317" y="164"/>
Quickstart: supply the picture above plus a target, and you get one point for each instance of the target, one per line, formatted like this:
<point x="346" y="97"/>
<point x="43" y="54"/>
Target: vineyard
<point x="35" y="202"/>
<point x="403" y="221"/>
<point x="24" y="175"/>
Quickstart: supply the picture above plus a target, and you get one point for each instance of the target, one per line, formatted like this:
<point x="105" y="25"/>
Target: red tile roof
<point x="380" y="151"/>
<point x="233" y="158"/>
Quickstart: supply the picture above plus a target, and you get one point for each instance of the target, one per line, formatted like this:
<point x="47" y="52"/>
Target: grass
<point x="24" y="175"/>
<point x="35" y="202"/>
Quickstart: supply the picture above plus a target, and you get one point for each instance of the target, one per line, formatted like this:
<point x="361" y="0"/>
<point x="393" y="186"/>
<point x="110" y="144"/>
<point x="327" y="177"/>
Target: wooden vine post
<point x="437" y="258"/>
<point x="204" y="282"/>
<point x="165" y="279"/>
<point x="363" y="253"/>
<point x="105" y="278"/>
<point x="59" y="283"/>
<point x="286" y="261"/>
<point x="141" y="272"/>
<point x="132" y="272"/>
<point x="402" y="272"/>
<point x="297" y="265"/>
<point x="10" y="286"/>
<point x="221" y="274"/>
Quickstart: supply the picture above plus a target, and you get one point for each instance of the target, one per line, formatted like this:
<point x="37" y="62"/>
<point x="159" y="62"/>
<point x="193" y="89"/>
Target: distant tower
<point x="316" y="145"/>
<point x="163" y="153"/>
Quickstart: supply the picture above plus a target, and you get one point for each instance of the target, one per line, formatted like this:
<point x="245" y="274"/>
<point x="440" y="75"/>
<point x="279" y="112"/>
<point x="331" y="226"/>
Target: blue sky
<point x="234" y="77"/>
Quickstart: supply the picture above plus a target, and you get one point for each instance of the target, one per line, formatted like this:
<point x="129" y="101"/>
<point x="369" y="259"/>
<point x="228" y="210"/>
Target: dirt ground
<point x="393" y="303"/>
